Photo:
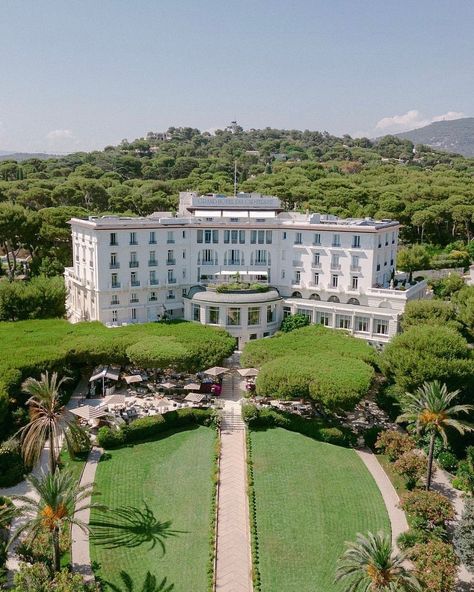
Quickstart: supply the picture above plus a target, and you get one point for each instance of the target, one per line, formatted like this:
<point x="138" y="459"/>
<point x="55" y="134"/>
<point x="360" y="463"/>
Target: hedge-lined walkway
<point x="233" y="566"/>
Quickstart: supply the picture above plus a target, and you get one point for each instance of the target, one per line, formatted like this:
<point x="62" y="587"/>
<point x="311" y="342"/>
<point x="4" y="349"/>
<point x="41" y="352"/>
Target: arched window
<point x="207" y="257"/>
<point x="385" y="304"/>
<point x="234" y="257"/>
<point x="296" y="295"/>
<point x="333" y="299"/>
<point x="353" y="301"/>
<point x="315" y="297"/>
<point x="260" y="257"/>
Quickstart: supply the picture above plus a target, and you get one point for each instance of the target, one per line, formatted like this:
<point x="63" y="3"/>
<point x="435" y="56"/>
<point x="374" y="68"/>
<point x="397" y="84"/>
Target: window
<point x="226" y="237"/>
<point x="184" y="233"/>
<point x="381" y="326"/>
<point x="335" y="262"/>
<point x="386" y="239"/>
<point x="393" y="238"/>
<point x="284" y="236"/>
<point x="215" y="236"/>
<point x="184" y="292"/>
<point x="207" y="257"/>
<point x="133" y="297"/>
<point x="113" y="239"/>
<point x="114" y="316"/>
<point x="171" y="278"/>
<point x="343" y="321"/>
<point x="323" y="318"/>
<point x="317" y="238"/>
<point x="233" y="257"/>
<point x="152" y="259"/>
<point x="253" y="315"/>
<point x="297" y="277"/>
<point x="170" y="237"/>
<point x="286" y="311"/>
<point x="170" y="295"/>
<point x="261" y="237"/>
<point x="298" y="238"/>
<point x="233" y="316"/>
<point x="134" y="279"/>
<point x="114" y="280"/>
<point x="259" y="257"/>
<point x="199" y="236"/>
<point x="253" y="237"/>
<point x="208" y="236"/>
<point x="380" y="241"/>
<point x="184" y="253"/>
<point x="213" y="315"/>
<point x="114" y="299"/>
<point x="234" y="236"/>
<point x="196" y="312"/>
<point x="268" y="237"/>
<point x="306" y="313"/>
<point x="152" y="239"/>
<point x="242" y="237"/>
<point x="133" y="238"/>
<point x="316" y="279"/>
<point x="355" y="263"/>
<point x="133" y="259"/>
<point x="271" y="316"/>
<point x="170" y="259"/>
<point x="362" y="324"/>
<point x="153" y="297"/>
<point x="153" y="278"/>
<point x="334" y="281"/>
<point x="354" y="282"/>
<point x="283" y="274"/>
<point x="316" y="259"/>
<point x="114" y="264"/>
<point x="356" y="241"/>
<point x="336" y="240"/>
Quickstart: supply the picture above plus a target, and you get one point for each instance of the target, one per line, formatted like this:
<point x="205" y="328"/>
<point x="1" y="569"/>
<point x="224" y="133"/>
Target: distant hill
<point x="19" y="156"/>
<point x="456" y="135"/>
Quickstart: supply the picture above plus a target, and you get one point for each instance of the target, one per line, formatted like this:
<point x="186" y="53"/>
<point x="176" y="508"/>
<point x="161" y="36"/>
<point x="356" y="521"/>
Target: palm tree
<point x="49" y="419"/>
<point x="55" y="501"/>
<point x="428" y="410"/>
<point x="150" y="584"/>
<point x="371" y="565"/>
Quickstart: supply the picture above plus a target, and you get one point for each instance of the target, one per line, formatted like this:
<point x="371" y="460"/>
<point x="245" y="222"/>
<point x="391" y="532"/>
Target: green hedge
<point x="318" y="429"/>
<point x="149" y="428"/>
<point x="12" y="468"/>
<point x="28" y="348"/>
<point x="314" y="362"/>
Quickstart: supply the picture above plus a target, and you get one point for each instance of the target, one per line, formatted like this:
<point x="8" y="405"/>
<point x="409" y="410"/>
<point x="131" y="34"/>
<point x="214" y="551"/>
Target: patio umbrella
<point x="246" y="372"/>
<point x="114" y="400"/>
<point x="216" y="371"/>
<point x="192" y="386"/>
<point x="133" y="378"/>
<point x="167" y="385"/>
<point x="194" y="397"/>
<point x="163" y="402"/>
<point x="89" y="412"/>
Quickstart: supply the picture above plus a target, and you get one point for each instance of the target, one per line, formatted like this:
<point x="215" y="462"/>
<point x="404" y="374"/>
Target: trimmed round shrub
<point x="394" y="443"/>
<point x="159" y="352"/>
<point x="436" y="565"/>
<point x="332" y="436"/>
<point x="447" y="461"/>
<point x="430" y="507"/>
<point x="109" y="438"/>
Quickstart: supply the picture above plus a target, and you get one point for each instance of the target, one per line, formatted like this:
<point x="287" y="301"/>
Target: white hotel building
<point x="336" y="271"/>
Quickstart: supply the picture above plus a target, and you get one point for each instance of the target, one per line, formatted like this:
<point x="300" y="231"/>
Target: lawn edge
<point x="256" y="576"/>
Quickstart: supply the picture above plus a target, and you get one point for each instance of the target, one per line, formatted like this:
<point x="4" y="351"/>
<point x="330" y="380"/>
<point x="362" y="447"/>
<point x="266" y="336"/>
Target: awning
<point x="216" y="371"/>
<point x="107" y="372"/>
<point x="163" y="402"/>
<point x="89" y="412"/>
<point x="248" y="372"/>
<point x="256" y="272"/>
<point x="114" y="400"/>
<point x="133" y="378"/>
<point x="194" y="397"/>
<point x="167" y="385"/>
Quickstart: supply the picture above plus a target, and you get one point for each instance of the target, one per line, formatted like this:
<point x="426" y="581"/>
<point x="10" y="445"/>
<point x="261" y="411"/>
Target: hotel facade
<point x="338" y="272"/>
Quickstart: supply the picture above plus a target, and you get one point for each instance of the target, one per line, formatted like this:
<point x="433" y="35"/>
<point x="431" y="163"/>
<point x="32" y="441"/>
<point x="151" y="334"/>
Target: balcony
<point x="135" y="283"/>
<point x="171" y="280"/>
<point x="316" y="265"/>
<point x="170" y="297"/>
<point x="115" y="265"/>
<point x="295" y="282"/>
<point x="152" y="242"/>
<point x="115" y="285"/>
<point x="297" y="263"/>
<point x="134" y="300"/>
<point x="170" y="241"/>
<point x="355" y="246"/>
<point x="154" y="282"/>
<point x="336" y="245"/>
<point x="171" y="262"/>
<point x="133" y="243"/>
<point x="335" y="266"/>
<point x="356" y="268"/>
<point x="152" y="263"/>
<point x="113" y="244"/>
<point x="153" y="299"/>
<point x="133" y="264"/>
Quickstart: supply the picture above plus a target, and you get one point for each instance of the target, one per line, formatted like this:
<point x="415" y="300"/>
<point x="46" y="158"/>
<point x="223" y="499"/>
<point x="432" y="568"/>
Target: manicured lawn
<point x="164" y="489"/>
<point x="311" y="497"/>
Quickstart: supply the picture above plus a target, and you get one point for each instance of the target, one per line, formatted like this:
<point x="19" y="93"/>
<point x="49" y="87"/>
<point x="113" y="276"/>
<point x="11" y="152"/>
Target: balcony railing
<point x="152" y="263"/>
<point x="171" y="262"/>
<point x="133" y="264"/>
<point x="316" y="264"/>
<point x="170" y="241"/>
<point x="135" y="283"/>
<point x="336" y="244"/>
<point x="154" y="282"/>
<point x="171" y="280"/>
<point x="297" y="263"/>
<point x="356" y="268"/>
<point x="115" y="285"/>
<point x="170" y="297"/>
<point x="335" y="266"/>
<point x="134" y="300"/>
<point x="115" y="265"/>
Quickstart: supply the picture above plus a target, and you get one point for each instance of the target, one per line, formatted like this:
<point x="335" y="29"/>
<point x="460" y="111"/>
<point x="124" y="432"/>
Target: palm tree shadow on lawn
<point x="128" y="526"/>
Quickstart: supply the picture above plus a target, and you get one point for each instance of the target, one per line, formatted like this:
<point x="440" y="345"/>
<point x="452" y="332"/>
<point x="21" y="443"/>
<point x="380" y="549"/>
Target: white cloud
<point x="412" y="119"/>
<point x="61" y="140"/>
<point x="60" y="134"/>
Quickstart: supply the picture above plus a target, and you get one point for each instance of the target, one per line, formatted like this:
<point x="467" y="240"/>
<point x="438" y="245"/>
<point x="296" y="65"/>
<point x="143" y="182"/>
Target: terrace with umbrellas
<point x="117" y="395"/>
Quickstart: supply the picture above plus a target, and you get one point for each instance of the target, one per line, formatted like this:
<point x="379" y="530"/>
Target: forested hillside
<point x="430" y="192"/>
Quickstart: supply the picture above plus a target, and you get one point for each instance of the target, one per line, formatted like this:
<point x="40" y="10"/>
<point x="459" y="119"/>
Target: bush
<point x="295" y="321"/>
<point x="37" y="578"/>
<point x="40" y="298"/>
<point x="464" y="535"/>
<point x="436" y="565"/>
<point x="148" y="428"/>
<point x="313" y="428"/>
<point x="412" y="537"/>
<point x="394" y="444"/>
<point x="447" y="461"/>
<point x="12" y="467"/>
<point x="431" y="508"/>
<point x="412" y="467"/>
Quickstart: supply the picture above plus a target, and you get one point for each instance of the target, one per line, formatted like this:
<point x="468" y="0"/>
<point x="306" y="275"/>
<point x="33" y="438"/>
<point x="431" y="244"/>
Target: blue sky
<point x="81" y="74"/>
